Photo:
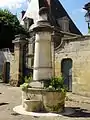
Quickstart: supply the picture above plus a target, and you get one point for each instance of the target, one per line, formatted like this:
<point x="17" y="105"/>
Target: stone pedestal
<point x="16" y="68"/>
<point x="43" y="53"/>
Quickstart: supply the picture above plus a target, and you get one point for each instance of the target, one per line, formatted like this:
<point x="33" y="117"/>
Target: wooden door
<point x="66" y="68"/>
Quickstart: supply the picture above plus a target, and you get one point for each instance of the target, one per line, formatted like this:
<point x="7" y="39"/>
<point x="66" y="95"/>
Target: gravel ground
<point x="11" y="97"/>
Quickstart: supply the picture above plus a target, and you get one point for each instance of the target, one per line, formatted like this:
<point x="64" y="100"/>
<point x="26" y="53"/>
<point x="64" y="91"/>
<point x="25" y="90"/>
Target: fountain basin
<point x="36" y="100"/>
<point x="32" y="105"/>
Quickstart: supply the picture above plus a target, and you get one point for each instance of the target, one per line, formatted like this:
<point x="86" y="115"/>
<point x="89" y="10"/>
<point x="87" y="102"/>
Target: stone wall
<point x="78" y="49"/>
<point x="5" y="56"/>
<point x="2" y="60"/>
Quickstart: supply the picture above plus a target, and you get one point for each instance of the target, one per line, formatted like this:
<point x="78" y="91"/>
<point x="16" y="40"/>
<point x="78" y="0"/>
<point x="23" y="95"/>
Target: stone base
<point x="36" y="84"/>
<point x="39" y="83"/>
<point x="32" y="105"/>
<point x="14" y="83"/>
<point x="19" y="109"/>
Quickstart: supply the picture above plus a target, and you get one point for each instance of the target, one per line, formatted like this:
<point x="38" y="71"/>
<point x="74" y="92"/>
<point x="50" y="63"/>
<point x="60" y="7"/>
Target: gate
<point x="26" y="70"/>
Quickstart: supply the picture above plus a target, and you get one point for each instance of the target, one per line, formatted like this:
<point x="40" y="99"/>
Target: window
<point x="64" y="23"/>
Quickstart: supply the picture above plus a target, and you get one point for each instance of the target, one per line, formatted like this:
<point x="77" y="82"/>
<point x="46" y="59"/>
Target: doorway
<point x="66" y="69"/>
<point x="6" y="72"/>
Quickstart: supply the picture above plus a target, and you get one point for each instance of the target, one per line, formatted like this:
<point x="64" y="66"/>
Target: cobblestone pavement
<point x="11" y="97"/>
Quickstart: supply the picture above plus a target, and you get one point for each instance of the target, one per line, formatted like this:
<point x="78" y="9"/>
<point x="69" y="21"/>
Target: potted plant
<point x="54" y="95"/>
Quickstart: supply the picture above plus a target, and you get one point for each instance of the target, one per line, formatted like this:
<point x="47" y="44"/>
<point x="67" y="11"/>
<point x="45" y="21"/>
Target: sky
<point x="73" y="7"/>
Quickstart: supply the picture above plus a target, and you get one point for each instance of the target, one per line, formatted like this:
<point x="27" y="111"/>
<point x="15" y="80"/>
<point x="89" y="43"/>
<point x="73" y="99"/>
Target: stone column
<point x="43" y="56"/>
<point x="17" y="65"/>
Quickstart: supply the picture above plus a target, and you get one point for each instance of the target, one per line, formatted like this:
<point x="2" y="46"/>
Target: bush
<point x="26" y="85"/>
<point x="56" y="83"/>
<point x="28" y="79"/>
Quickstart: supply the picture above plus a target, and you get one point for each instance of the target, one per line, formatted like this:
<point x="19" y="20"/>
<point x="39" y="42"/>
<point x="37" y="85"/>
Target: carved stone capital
<point x="20" y="39"/>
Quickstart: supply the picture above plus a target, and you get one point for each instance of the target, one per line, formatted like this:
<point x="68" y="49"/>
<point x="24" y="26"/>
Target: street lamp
<point x="87" y="15"/>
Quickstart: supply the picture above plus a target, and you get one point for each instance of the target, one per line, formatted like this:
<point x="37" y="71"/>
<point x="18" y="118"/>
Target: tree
<point x="9" y="27"/>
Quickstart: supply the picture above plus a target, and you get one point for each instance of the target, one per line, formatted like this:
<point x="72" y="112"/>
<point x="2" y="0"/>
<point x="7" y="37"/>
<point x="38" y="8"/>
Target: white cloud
<point x="11" y="4"/>
<point x="83" y="11"/>
<point x="78" y="11"/>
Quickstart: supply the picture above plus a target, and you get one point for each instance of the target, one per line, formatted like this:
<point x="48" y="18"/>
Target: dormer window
<point x="27" y="22"/>
<point x="64" y="23"/>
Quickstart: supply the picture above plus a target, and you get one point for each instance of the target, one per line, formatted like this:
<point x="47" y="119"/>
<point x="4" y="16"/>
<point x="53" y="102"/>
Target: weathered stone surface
<point x="79" y="51"/>
<point x="14" y="83"/>
<point x="32" y="106"/>
<point x="43" y="100"/>
<point x="16" y="67"/>
<point x="31" y="99"/>
<point x="32" y="94"/>
<point x="54" y="101"/>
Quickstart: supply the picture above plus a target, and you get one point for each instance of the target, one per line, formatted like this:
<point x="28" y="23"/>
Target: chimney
<point x="23" y="12"/>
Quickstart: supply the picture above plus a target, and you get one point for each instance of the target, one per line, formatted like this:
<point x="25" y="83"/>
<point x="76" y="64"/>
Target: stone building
<point x="72" y="60"/>
<point x="70" y="49"/>
<point x="57" y="17"/>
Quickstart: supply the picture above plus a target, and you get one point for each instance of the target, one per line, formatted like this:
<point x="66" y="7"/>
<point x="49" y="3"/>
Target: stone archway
<point x="66" y="69"/>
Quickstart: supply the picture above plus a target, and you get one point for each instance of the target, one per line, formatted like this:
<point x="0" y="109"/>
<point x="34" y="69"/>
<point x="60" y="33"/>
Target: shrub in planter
<point x="25" y="86"/>
<point x="54" y="96"/>
<point x="56" y="83"/>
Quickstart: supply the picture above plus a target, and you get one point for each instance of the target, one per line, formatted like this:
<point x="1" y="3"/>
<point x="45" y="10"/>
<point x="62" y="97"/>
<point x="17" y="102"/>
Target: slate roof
<point x="56" y="11"/>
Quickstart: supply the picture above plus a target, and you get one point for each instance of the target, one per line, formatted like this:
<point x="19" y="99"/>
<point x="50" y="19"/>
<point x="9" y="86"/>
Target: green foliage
<point x="8" y="18"/>
<point x="28" y="79"/>
<point x="56" y="83"/>
<point x="26" y="85"/>
<point x="9" y="26"/>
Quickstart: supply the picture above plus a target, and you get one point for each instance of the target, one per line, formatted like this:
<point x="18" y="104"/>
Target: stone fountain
<point x="41" y="99"/>
<point x="36" y="98"/>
